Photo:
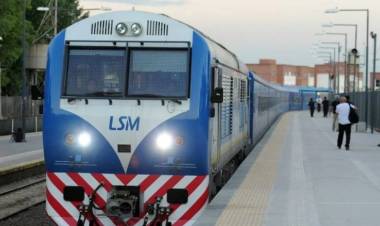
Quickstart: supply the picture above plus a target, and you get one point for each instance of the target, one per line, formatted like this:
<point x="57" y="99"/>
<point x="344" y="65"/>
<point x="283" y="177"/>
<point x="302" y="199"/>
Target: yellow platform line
<point x="21" y="166"/>
<point x="250" y="201"/>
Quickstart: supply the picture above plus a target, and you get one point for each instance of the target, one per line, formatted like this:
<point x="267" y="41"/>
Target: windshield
<point x="158" y="73"/>
<point x="96" y="72"/>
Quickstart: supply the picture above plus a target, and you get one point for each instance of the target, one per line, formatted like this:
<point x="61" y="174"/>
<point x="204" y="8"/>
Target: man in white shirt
<point x="343" y="111"/>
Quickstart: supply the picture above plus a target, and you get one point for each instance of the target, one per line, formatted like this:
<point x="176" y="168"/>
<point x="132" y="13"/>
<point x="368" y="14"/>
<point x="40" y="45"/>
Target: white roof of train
<point x="156" y="27"/>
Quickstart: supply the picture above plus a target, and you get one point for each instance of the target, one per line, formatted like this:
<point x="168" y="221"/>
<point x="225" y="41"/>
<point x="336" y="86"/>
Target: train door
<point x="216" y="100"/>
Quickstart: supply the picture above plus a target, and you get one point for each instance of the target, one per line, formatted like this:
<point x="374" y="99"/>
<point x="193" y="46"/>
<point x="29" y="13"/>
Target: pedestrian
<point x="348" y="100"/>
<point x="334" y="104"/>
<point x="311" y="107"/>
<point x="377" y="130"/>
<point x="319" y="102"/>
<point x="343" y="111"/>
<point x="325" y="106"/>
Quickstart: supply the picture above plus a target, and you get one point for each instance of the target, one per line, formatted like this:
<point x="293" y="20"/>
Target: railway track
<point x="21" y="195"/>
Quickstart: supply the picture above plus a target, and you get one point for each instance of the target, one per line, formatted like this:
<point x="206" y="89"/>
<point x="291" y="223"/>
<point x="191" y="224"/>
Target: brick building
<point x="377" y="80"/>
<point x="267" y="69"/>
<point x="321" y="75"/>
<point x="284" y="74"/>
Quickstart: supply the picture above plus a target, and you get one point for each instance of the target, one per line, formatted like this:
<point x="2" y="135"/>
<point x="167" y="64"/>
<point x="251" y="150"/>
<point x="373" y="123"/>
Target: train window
<point x="95" y="73"/>
<point x="158" y="73"/>
<point x="243" y="90"/>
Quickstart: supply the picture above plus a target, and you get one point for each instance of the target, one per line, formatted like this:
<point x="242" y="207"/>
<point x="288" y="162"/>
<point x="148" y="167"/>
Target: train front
<point x="126" y="122"/>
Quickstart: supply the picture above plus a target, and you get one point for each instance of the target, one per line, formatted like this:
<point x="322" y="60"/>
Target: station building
<point x="377" y="80"/>
<point x="321" y="75"/>
<point x="284" y="74"/>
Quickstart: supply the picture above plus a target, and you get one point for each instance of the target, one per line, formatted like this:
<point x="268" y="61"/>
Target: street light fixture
<point x="334" y="65"/>
<point x="374" y="37"/>
<point x="55" y="8"/>
<point x="336" y="69"/>
<point x="330" y="25"/>
<point x="329" y="53"/>
<point x="23" y="72"/>
<point x="336" y="10"/>
<point x="345" y="60"/>
<point x="43" y="9"/>
<point x="356" y="43"/>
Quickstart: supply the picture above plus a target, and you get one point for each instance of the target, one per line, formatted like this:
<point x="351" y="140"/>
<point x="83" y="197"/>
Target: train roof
<point x="156" y="27"/>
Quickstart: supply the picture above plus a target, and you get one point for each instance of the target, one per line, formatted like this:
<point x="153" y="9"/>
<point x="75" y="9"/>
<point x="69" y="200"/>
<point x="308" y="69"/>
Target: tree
<point x="11" y="50"/>
<point x="11" y="27"/>
<point x="43" y="23"/>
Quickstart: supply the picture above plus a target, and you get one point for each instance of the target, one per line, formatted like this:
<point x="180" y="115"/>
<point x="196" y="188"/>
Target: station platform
<point x="296" y="176"/>
<point x="14" y="155"/>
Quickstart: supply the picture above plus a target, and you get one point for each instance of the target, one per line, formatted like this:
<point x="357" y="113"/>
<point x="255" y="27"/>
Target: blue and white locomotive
<point x="144" y="116"/>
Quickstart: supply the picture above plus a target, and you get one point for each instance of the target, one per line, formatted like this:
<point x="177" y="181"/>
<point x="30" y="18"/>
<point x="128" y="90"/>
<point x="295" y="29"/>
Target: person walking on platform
<point x="334" y="104"/>
<point x="343" y="111"/>
<point x="311" y="107"/>
<point x="319" y="102"/>
<point x="325" y="106"/>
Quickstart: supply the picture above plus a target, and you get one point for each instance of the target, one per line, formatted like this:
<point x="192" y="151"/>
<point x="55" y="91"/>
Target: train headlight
<point x="164" y="141"/>
<point x="136" y="29"/>
<point x="121" y="28"/>
<point x="84" y="139"/>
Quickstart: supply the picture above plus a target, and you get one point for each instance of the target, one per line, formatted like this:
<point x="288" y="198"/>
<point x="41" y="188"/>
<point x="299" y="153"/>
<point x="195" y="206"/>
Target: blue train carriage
<point x="141" y="112"/>
<point x="269" y="101"/>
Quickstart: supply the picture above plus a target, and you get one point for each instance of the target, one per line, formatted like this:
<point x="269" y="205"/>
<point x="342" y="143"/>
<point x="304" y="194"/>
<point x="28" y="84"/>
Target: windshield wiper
<point x="71" y="99"/>
<point x="176" y="101"/>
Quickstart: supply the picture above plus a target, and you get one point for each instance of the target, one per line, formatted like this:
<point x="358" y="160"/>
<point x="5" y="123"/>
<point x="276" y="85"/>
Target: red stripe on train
<point x="66" y="216"/>
<point x="193" y="210"/>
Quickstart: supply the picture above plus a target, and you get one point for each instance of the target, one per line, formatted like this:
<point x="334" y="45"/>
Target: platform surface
<point x="296" y="176"/>
<point x="16" y="154"/>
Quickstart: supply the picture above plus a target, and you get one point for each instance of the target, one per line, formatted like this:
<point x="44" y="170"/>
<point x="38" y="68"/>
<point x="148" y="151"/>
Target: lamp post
<point x="324" y="54"/>
<point x="23" y="99"/>
<point x="336" y="69"/>
<point x="374" y="37"/>
<point x="327" y="56"/>
<point x="332" y="65"/>
<point x="345" y="59"/>
<point x="337" y="77"/>
<point x="355" y="26"/>
<point x="55" y="8"/>
<point x="336" y="10"/>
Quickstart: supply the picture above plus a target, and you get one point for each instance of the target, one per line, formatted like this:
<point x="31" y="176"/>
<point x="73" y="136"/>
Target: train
<point x="145" y="117"/>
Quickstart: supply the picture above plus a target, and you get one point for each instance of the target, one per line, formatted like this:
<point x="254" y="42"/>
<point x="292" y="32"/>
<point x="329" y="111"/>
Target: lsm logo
<point x="124" y="123"/>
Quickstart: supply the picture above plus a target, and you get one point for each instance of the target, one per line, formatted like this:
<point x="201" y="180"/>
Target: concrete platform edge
<point x="32" y="168"/>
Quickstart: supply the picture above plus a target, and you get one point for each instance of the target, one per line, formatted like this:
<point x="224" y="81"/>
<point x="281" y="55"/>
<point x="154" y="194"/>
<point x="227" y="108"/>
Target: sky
<point x="255" y="29"/>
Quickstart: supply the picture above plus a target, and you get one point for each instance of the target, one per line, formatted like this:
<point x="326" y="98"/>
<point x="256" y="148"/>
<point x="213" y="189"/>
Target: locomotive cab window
<point x="158" y="73"/>
<point x="95" y="73"/>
